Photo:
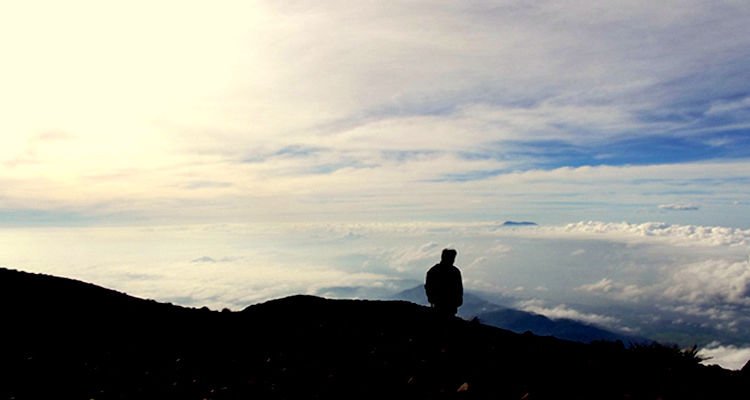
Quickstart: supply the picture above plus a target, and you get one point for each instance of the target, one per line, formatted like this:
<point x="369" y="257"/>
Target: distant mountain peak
<point x="519" y="223"/>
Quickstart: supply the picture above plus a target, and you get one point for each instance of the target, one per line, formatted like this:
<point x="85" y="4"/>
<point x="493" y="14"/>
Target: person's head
<point x="448" y="256"/>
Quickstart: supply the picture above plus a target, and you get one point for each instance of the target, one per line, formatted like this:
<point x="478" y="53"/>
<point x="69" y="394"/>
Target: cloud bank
<point x="562" y="311"/>
<point x="684" y="235"/>
<point x="730" y="357"/>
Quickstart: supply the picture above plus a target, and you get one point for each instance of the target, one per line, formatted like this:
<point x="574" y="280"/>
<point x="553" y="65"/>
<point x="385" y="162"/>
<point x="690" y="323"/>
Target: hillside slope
<point x="68" y="339"/>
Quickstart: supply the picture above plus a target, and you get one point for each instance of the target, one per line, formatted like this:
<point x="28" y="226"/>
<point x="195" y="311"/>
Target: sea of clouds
<point x="636" y="278"/>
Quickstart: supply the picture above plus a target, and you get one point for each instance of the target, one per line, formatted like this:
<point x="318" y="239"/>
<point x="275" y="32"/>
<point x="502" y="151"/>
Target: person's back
<point x="443" y="284"/>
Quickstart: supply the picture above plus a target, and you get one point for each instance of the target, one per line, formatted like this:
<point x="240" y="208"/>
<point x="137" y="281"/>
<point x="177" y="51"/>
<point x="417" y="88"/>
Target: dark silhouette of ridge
<point x="68" y="339"/>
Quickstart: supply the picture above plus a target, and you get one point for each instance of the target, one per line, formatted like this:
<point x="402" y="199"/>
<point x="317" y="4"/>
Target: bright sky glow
<point x="177" y="111"/>
<point x="133" y="135"/>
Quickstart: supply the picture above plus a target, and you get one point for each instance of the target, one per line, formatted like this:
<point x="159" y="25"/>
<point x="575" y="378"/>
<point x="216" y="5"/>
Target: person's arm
<point x="460" y="290"/>
<point x="428" y="287"/>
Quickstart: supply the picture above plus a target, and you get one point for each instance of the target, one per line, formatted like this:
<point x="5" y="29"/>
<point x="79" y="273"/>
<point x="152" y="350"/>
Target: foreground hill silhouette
<point x="67" y="339"/>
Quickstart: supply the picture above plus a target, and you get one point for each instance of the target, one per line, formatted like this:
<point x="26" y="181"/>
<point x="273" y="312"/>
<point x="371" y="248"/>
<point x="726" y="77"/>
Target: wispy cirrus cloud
<point x="442" y="98"/>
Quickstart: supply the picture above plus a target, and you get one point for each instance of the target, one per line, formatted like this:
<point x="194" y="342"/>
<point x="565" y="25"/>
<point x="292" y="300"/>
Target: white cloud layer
<point x="684" y="235"/>
<point x="620" y="291"/>
<point x="730" y="357"/>
<point x="711" y="282"/>
<point x="562" y="311"/>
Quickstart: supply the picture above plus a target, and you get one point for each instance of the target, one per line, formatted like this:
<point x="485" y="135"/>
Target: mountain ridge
<point x="77" y="340"/>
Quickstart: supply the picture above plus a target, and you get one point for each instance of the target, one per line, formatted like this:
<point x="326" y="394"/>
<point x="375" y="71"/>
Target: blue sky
<point x="386" y="117"/>
<point x="258" y="111"/>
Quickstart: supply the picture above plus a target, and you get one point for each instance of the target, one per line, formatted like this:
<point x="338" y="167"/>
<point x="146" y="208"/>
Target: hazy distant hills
<point x="521" y="321"/>
<point x="68" y="339"/>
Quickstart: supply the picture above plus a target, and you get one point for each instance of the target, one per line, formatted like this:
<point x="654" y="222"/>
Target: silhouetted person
<point x="443" y="285"/>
